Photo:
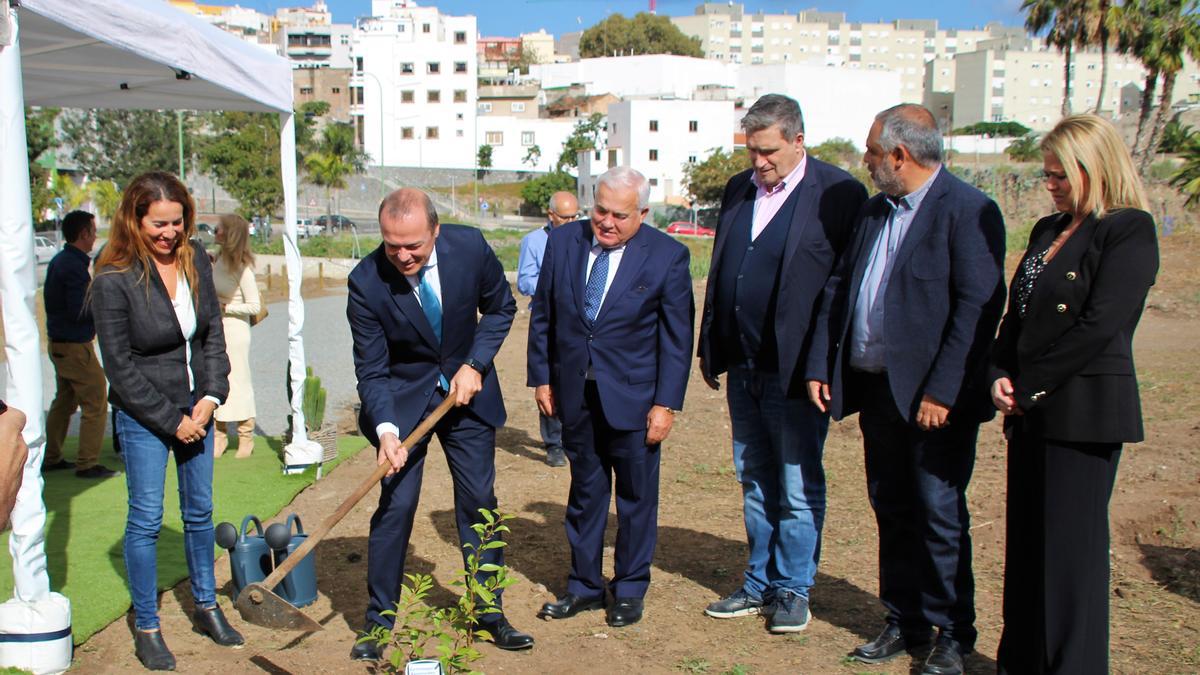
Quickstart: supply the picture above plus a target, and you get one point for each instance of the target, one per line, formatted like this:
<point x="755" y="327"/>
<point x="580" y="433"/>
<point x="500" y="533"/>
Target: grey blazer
<point x="143" y="346"/>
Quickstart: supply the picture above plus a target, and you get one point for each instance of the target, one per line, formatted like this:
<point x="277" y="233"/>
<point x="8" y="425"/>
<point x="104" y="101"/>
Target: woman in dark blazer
<point x="1063" y="376"/>
<point x="159" y="329"/>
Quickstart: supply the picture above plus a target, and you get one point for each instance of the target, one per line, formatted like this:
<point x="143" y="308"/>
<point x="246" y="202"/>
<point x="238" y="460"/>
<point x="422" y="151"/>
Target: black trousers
<point x="1056" y="569"/>
<point x="603" y="458"/>
<point x="917" y="482"/>
<point x="470" y="449"/>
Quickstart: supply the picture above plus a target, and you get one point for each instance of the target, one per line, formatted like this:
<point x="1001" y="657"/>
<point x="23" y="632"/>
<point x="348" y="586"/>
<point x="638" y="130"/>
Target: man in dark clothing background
<point x="79" y="379"/>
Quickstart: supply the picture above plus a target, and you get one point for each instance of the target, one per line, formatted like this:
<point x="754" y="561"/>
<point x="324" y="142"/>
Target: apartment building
<point x="331" y="85"/>
<point x="511" y="100"/>
<point x="647" y="75"/>
<point x="309" y="38"/>
<point x="727" y="33"/>
<point x="415" y="82"/>
<point x="1026" y="85"/>
<point x="524" y="143"/>
<point x="658" y="138"/>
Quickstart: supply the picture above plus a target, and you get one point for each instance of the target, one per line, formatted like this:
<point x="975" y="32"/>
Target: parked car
<point x="43" y="249"/>
<point x="335" y="223"/>
<point x="206" y="234"/>
<point x="305" y="227"/>
<point x="684" y="227"/>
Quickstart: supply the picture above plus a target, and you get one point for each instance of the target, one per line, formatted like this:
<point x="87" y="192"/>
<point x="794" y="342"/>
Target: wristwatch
<point x="475" y="365"/>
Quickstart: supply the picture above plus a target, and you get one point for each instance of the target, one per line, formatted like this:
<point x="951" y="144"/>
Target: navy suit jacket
<point x="397" y="357"/>
<point x="640" y="348"/>
<point x="943" y="301"/>
<point x="826" y="206"/>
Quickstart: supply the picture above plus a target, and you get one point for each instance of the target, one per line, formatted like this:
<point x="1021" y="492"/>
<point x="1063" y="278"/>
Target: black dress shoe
<point x="366" y="651"/>
<point x="152" y="651"/>
<point x="505" y="636"/>
<point x="211" y="621"/>
<point x="96" y="471"/>
<point x="945" y="659"/>
<point x="625" y="612"/>
<point x="568" y="606"/>
<point x="369" y="649"/>
<point x="890" y="644"/>
<point x="57" y="466"/>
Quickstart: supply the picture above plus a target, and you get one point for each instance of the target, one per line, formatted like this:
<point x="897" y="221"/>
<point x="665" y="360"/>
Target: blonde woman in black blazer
<point x="1063" y="376"/>
<point x="159" y="328"/>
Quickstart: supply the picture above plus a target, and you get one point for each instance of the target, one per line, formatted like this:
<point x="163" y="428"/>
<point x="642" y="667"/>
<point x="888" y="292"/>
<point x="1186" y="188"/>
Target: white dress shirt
<point x="435" y="282"/>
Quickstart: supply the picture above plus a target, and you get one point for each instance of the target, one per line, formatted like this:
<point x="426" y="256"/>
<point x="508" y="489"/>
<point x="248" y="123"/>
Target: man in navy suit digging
<point x="428" y="311"/>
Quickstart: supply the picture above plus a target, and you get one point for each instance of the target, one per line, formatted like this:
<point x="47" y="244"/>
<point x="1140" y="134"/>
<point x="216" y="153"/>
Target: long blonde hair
<point x="235" y="247"/>
<point x="1089" y="144"/>
<point x="125" y="241"/>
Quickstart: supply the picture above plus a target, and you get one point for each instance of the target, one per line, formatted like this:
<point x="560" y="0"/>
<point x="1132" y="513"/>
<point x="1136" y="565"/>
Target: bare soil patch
<point x="1155" y="556"/>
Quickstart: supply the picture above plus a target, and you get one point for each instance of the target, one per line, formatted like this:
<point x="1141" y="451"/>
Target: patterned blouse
<point x="1027" y="276"/>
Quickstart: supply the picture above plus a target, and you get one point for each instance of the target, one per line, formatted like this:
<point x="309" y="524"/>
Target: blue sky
<point x="512" y="17"/>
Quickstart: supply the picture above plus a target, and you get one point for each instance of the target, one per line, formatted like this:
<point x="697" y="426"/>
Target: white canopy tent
<point x="102" y="54"/>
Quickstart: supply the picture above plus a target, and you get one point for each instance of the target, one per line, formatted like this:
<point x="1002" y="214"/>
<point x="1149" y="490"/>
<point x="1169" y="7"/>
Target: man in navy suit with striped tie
<point x="428" y="311"/>
<point x="610" y="337"/>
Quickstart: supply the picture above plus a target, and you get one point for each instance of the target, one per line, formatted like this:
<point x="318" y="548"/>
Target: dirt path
<point x="1156" y="564"/>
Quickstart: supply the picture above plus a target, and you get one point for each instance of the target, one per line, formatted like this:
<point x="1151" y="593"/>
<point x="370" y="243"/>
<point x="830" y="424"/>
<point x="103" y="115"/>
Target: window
<point x="406" y="133"/>
<point x="406" y="96"/>
<point x="694" y="126"/>
<point x="460" y="37"/>
<point x="458" y="116"/>
<point x="494" y="138"/>
<point x="458" y="133"/>
<point x="433" y="96"/>
<point x="691" y="159"/>
<point x="406" y="69"/>
<point x="527" y="138"/>
<point x="431" y="132"/>
<point x="357" y="95"/>
<point x="653" y="182"/>
<point x="433" y="67"/>
<point x="460" y="67"/>
<point x="653" y="125"/>
<point x="517" y="107"/>
<point x="345" y="39"/>
<point x="424" y="28"/>
<point x="337" y="90"/>
<point x="460" y="96"/>
<point x="358" y="64"/>
<point x="306" y="91"/>
<point x="653" y="155"/>
<point x="485" y="107"/>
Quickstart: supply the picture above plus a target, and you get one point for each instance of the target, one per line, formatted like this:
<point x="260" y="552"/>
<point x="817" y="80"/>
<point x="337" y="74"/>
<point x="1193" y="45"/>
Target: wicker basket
<point x="327" y="436"/>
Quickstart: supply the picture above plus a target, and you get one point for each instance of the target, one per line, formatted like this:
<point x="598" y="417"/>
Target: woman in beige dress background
<point x="233" y="276"/>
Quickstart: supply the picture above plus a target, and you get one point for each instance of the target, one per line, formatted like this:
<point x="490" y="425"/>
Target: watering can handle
<point x="246" y="521"/>
<point x="323" y="529"/>
<point x="295" y="518"/>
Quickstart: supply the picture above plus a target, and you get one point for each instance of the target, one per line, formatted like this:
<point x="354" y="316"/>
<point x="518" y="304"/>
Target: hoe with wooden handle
<point x="259" y="605"/>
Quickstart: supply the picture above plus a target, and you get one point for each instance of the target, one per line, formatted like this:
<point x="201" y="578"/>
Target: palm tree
<point x="1063" y="18"/>
<point x="1160" y="33"/>
<point x="1129" y="21"/>
<point x="335" y="158"/>
<point x="1187" y="178"/>
<point x="1098" y="17"/>
<point x="1176" y="34"/>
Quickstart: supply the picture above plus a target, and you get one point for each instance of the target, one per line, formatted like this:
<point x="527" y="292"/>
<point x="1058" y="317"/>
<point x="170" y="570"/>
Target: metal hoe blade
<point x="260" y="606"/>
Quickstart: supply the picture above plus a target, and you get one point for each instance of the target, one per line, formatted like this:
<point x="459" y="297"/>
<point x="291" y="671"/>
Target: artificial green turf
<point x="86" y="522"/>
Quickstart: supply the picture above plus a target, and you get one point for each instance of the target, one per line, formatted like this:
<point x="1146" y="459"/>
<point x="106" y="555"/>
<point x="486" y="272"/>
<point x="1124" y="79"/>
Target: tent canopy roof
<point x="143" y="54"/>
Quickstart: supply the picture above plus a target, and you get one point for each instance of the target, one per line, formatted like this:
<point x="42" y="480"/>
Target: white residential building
<point x="835" y="102"/>
<point x="415" y="71"/>
<point x="661" y="75"/>
<point x="513" y="138"/>
<point x="659" y="138"/>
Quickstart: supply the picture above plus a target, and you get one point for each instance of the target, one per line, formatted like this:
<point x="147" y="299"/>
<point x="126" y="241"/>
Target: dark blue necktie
<point x="593" y="293"/>
<point x="433" y="311"/>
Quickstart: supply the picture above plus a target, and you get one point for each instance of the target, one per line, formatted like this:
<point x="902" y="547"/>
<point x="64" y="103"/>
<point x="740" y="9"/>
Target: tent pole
<point x="291" y="252"/>
<point x="22" y="348"/>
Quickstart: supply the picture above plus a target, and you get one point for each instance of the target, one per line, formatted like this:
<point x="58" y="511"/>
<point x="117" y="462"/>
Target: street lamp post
<point x="382" y="181"/>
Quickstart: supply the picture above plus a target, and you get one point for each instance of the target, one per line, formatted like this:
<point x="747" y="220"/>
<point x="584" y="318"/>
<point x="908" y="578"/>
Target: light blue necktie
<point x="433" y="311"/>
<point x="593" y="293"/>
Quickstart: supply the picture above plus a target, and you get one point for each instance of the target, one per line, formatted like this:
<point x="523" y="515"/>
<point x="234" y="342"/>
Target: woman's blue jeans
<point x="145" y="477"/>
